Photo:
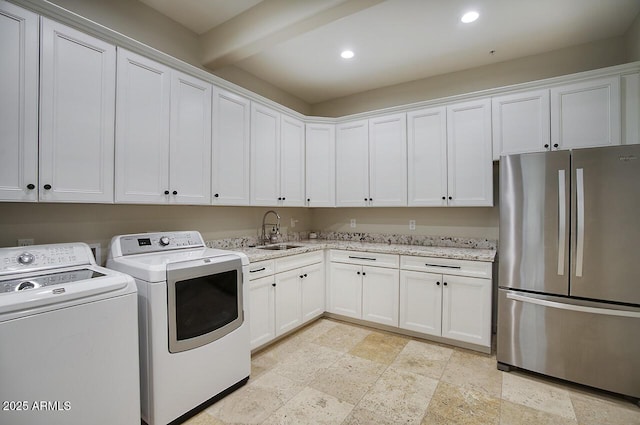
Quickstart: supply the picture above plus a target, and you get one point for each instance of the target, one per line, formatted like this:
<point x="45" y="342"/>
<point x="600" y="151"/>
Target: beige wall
<point x="559" y="62"/>
<point x="633" y="41"/>
<point x="92" y="223"/>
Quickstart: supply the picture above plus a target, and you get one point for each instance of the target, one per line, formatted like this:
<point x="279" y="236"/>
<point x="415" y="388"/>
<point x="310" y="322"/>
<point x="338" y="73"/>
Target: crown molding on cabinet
<point x="48" y="9"/>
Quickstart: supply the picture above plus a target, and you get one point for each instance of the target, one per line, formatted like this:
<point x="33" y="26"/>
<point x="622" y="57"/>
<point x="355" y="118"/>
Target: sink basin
<point x="279" y="247"/>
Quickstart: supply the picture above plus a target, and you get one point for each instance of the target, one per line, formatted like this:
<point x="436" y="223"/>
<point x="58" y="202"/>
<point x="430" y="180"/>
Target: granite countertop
<point x="475" y="254"/>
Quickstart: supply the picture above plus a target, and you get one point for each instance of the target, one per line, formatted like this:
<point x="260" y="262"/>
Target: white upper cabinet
<point x="163" y="134"/>
<point x="18" y="104"/>
<point x="265" y="155"/>
<point x="230" y="149"/>
<point x="190" y="140"/>
<point x="469" y="158"/>
<point x="450" y="161"/>
<point x="586" y="113"/>
<point x="77" y="107"/>
<point x="292" y="161"/>
<point x="427" y="164"/>
<point x="388" y="161"/>
<point x="320" y="145"/>
<point x="521" y="123"/>
<point x="352" y="164"/>
<point x="142" y="130"/>
<point x="630" y="88"/>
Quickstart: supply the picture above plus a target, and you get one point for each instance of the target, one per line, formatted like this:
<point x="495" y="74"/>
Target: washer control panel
<point x="26" y="258"/>
<point x="159" y="242"/>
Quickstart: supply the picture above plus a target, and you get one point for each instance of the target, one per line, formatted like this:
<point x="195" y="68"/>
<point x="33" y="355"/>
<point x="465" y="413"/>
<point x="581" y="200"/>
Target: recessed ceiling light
<point x="469" y="17"/>
<point x="346" y="54"/>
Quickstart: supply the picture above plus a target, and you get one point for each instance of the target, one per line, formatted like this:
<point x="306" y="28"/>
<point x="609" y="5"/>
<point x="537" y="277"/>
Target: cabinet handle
<point x="47" y="186"/>
<point x="175" y="192"/>
<point x="273" y="284"/>
<point x="301" y="276"/>
<point x="283" y="198"/>
<point x="365" y="199"/>
<point x="555" y="145"/>
<point x="438" y="283"/>
<point x="280" y="199"/>
<point x="31" y="186"/>
<point x="216" y="195"/>
<point x="305" y="275"/>
<point x="439" y="265"/>
<point x="364" y="274"/>
<point x="257" y="270"/>
<point x="166" y="192"/>
<point x="546" y="145"/>
<point x="370" y="199"/>
<point x="450" y="197"/>
<point x="444" y="283"/>
<point x="308" y="199"/>
<point x="358" y="272"/>
<point x="361" y="258"/>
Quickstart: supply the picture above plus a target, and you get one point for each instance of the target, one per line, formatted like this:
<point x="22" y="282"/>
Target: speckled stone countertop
<point x="475" y="254"/>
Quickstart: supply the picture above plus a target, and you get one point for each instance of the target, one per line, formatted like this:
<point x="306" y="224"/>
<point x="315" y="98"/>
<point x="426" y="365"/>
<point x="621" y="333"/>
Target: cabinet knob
<point x="555" y="145"/>
<point x="444" y="283"/>
<point x="47" y="186"/>
<point x="365" y="199"/>
<point x="216" y="195"/>
<point x="358" y="272"/>
<point x="450" y="197"/>
<point x="371" y="199"/>
<point x="273" y="284"/>
<point x="546" y="146"/>
<point x="280" y="199"/>
<point x="364" y="274"/>
<point x="31" y="186"/>
<point x="308" y="199"/>
<point x="305" y="275"/>
<point x="444" y="198"/>
<point x="301" y="276"/>
<point x="438" y="283"/>
<point x="166" y="192"/>
<point x="175" y="192"/>
<point x="283" y="198"/>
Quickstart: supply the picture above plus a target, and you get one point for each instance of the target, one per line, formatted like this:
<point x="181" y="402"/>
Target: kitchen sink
<point x="279" y="247"/>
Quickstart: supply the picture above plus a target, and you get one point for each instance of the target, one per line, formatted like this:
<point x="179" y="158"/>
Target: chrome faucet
<point x="275" y="230"/>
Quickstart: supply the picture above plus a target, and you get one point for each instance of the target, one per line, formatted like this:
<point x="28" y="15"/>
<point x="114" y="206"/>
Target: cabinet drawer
<point x="261" y="269"/>
<point x="365" y="258"/>
<point x="479" y="269"/>
<point x="297" y="261"/>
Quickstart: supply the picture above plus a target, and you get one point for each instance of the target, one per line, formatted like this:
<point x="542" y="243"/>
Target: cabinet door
<point x="320" y="163"/>
<point x="380" y="295"/>
<point x="427" y="165"/>
<point x="313" y="297"/>
<point x="18" y="104"/>
<point x="352" y="164"/>
<point x="190" y="140"/>
<point x="388" y="161"/>
<point x="265" y="156"/>
<point x="142" y="130"/>
<point x="586" y="114"/>
<point x="630" y="89"/>
<point x="469" y="159"/>
<point x="288" y="301"/>
<point x="466" y="309"/>
<point x="292" y="162"/>
<point x="230" y="146"/>
<point x="261" y="311"/>
<point x="345" y="290"/>
<point x="77" y="107"/>
<point x="521" y="123"/>
<point x="421" y="302"/>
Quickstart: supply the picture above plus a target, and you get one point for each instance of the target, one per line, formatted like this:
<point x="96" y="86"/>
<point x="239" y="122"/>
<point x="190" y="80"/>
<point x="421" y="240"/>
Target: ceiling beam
<point x="269" y="23"/>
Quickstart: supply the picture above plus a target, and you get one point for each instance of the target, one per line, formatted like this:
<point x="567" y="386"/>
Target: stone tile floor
<point x="332" y="372"/>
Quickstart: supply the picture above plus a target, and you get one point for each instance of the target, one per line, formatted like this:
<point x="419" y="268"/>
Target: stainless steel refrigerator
<point x="569" y="267"/>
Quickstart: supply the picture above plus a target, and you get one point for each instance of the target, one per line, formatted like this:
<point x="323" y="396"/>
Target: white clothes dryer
<point x="194" y="333"/>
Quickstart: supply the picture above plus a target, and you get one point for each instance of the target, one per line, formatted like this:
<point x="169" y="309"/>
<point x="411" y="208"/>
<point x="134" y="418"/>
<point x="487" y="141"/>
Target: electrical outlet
<point x="353" y="223"/>
<point x="293" y="222"/>
<point x="25" y="242"/>
<point x="412" y="225"/>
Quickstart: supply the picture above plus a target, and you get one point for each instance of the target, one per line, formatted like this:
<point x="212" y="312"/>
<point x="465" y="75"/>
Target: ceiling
<point x="296" y="44"/>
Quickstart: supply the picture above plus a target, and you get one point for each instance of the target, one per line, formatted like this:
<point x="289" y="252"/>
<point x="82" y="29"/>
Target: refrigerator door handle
<point x="579" y="221"/>
<point x="573" y="307"/>
<point x="562" y="220"/>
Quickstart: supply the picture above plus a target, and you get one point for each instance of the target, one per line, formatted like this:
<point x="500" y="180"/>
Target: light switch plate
<point x="412" y="225"/>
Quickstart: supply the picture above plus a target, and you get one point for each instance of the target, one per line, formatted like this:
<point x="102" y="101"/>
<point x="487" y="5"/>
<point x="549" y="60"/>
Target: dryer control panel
<point x="158" y="242"/>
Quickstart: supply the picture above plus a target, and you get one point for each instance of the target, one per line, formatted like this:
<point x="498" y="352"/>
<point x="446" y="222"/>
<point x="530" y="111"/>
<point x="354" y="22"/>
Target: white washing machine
<point x="194" y="333"/>
<point x="68" y="339"/>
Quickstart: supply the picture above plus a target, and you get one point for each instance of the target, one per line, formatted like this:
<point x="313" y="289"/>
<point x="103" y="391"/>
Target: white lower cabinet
<point x="452" y="306"/>
<point x="285" y="294"/>
<point x="262" y="310"/>
<point x="364" y="292"/>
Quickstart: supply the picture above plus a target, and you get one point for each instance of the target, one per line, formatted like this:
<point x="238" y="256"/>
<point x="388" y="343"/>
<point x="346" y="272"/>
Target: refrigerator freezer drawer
<point x="590" y="343"/>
